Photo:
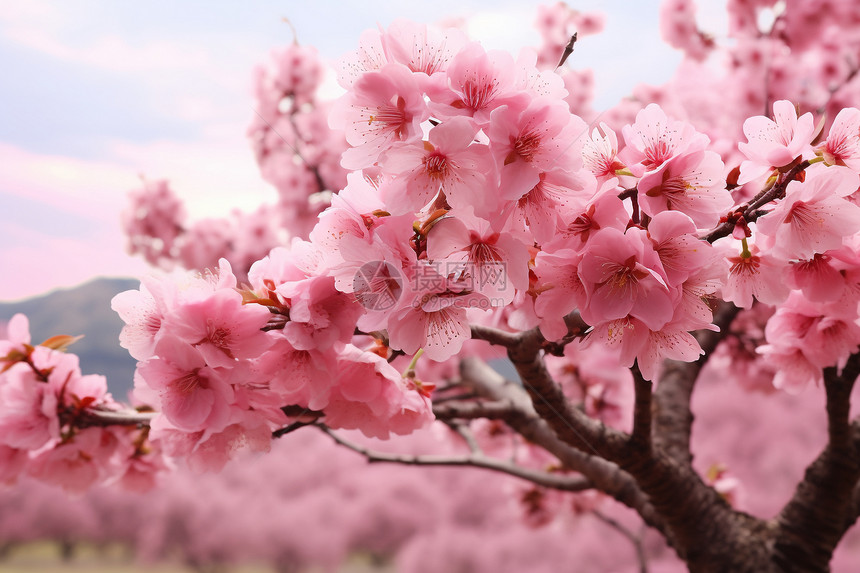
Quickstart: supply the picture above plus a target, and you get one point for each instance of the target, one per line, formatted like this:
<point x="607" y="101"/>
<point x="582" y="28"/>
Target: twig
<point x="635" y="539"/>
<point x="495" y="336"/>
<point x="568" y="50"/>
<point x="555" y="481"/>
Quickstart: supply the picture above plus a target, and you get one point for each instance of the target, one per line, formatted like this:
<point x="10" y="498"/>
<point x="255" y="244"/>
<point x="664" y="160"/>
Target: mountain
<point x="84" y="310"/>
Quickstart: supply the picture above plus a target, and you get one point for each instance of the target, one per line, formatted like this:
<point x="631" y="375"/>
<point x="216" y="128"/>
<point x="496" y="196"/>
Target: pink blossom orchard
<point x="481" y="215"/>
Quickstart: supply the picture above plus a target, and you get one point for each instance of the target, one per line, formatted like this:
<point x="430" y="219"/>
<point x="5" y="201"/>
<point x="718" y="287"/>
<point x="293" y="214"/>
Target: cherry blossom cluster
<point x="225" y="368"/>
<point x="48" y="426"/>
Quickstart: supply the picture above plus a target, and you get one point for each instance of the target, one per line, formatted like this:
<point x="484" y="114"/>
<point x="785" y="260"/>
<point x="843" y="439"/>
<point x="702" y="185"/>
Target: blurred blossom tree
<point x="458" y="205"/>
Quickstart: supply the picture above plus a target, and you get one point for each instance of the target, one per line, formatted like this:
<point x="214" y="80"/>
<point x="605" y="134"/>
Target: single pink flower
<point x="558" y="198"/>
<point x="653" y="139"/>
<point x="692" y="183"/>
<point x="421" y="48"/>
<point x="813" y="217"/>
<point x="842" y="146"/>
<point x="757" y="275"/>
<point x="604" y="211"/>
<point x="28" y="409"/>
<point x="560" y="290"/>
<point x="192" y="395"/>
<point x="478" y="82"/>
<point x="817" y="278"/>
<point x="447" y="162"/>
<point x="622" y="276"/>
<point x="320" y="315"/>
<point x="681" y="252"/>
<point x="221" y="327"/>
<point x="493" y="264"/>
<point x="370" y="56"/>
<point x="600" y="153"/>
<point x="76" y="464"/>
<point x="384" y="107"/>
<point x="17" y="335"/>
<point x="432" y="315"/>
<point x="372" y="396"/>
<point x="525" y="143"/>
<point x="774" y="142"/>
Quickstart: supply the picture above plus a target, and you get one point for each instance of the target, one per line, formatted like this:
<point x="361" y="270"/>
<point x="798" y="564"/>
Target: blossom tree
<point x="487" y="212"/>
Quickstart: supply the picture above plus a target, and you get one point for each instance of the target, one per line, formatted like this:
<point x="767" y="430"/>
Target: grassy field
<point x="46" y="558"/>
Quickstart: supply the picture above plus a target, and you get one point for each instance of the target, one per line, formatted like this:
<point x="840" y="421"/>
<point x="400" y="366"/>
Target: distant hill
<point x="84" y="310"/>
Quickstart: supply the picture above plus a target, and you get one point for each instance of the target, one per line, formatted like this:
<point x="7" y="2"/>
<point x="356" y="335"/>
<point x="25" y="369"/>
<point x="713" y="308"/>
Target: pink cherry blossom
<point x="221" y="327"/>
<point x="447" y="162"/>
<point x="320" y="315"/>
<point x="559" y="291"/>
<point x="192" y="395"/>
<point x="557" y="199"/>
<point x="774" y="142"/>
<point x="692" y="183"/>
<point x="842" y="146"/>
<point x="432" y="315"/>
<point x="370" y="394"/>
<point x="814" y="217"/>
<point x="649" y="348"/>
<point x="17" y="335"/>
<point x="494" y="264"/>
<point x="817" y="278"/>
<point x="370" y="56"/>
<point x="622" y="275"/>
<point x="681" y="252"/>
<point x="600" y="153"/>
<point x="75" y="464"/>
<point x="654" y="139"/>
<point x="421" y="48"/>
<point x="383" y="107"/>
<point x="606" y="210"/>
<point x="28" y="409"/>
<point x="525" y="143"/>
<point x="758" y="275"/>
<point x="478" y="82"/>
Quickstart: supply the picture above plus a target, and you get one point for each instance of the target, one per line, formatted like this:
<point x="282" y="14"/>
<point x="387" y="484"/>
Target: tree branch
<point x="636" y="540"/>
<point x="495" y="336"/>
<point x="750" y="211"/>
<point x="522" y="418"/>
<point x="571" y="424"/>
<point x="673" y="419"/>
<point x="554" y="481"/>
<point x="817" y="516"/>
<point x="641" y="436"/>
<point x="114" y="418"/>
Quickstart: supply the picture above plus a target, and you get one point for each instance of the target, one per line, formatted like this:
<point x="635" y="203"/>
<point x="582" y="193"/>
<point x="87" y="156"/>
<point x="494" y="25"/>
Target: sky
<point x="97" y="94"/>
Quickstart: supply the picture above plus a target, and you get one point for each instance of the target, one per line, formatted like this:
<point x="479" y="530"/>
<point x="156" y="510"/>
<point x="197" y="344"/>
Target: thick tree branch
<point x="554" y="481"/>
<point x="571" y="424"/>
<point x="453" y="410"/>
<point x="699" y="523"/>
<point x="522" y="418"/>
<point x="815" y="519"/>
<point x="673" y="419"/>
<point x="495" y="336"/>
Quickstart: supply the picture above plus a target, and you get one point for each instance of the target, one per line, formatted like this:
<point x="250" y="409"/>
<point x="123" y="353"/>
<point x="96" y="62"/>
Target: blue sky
<point x="96" y="93"/>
